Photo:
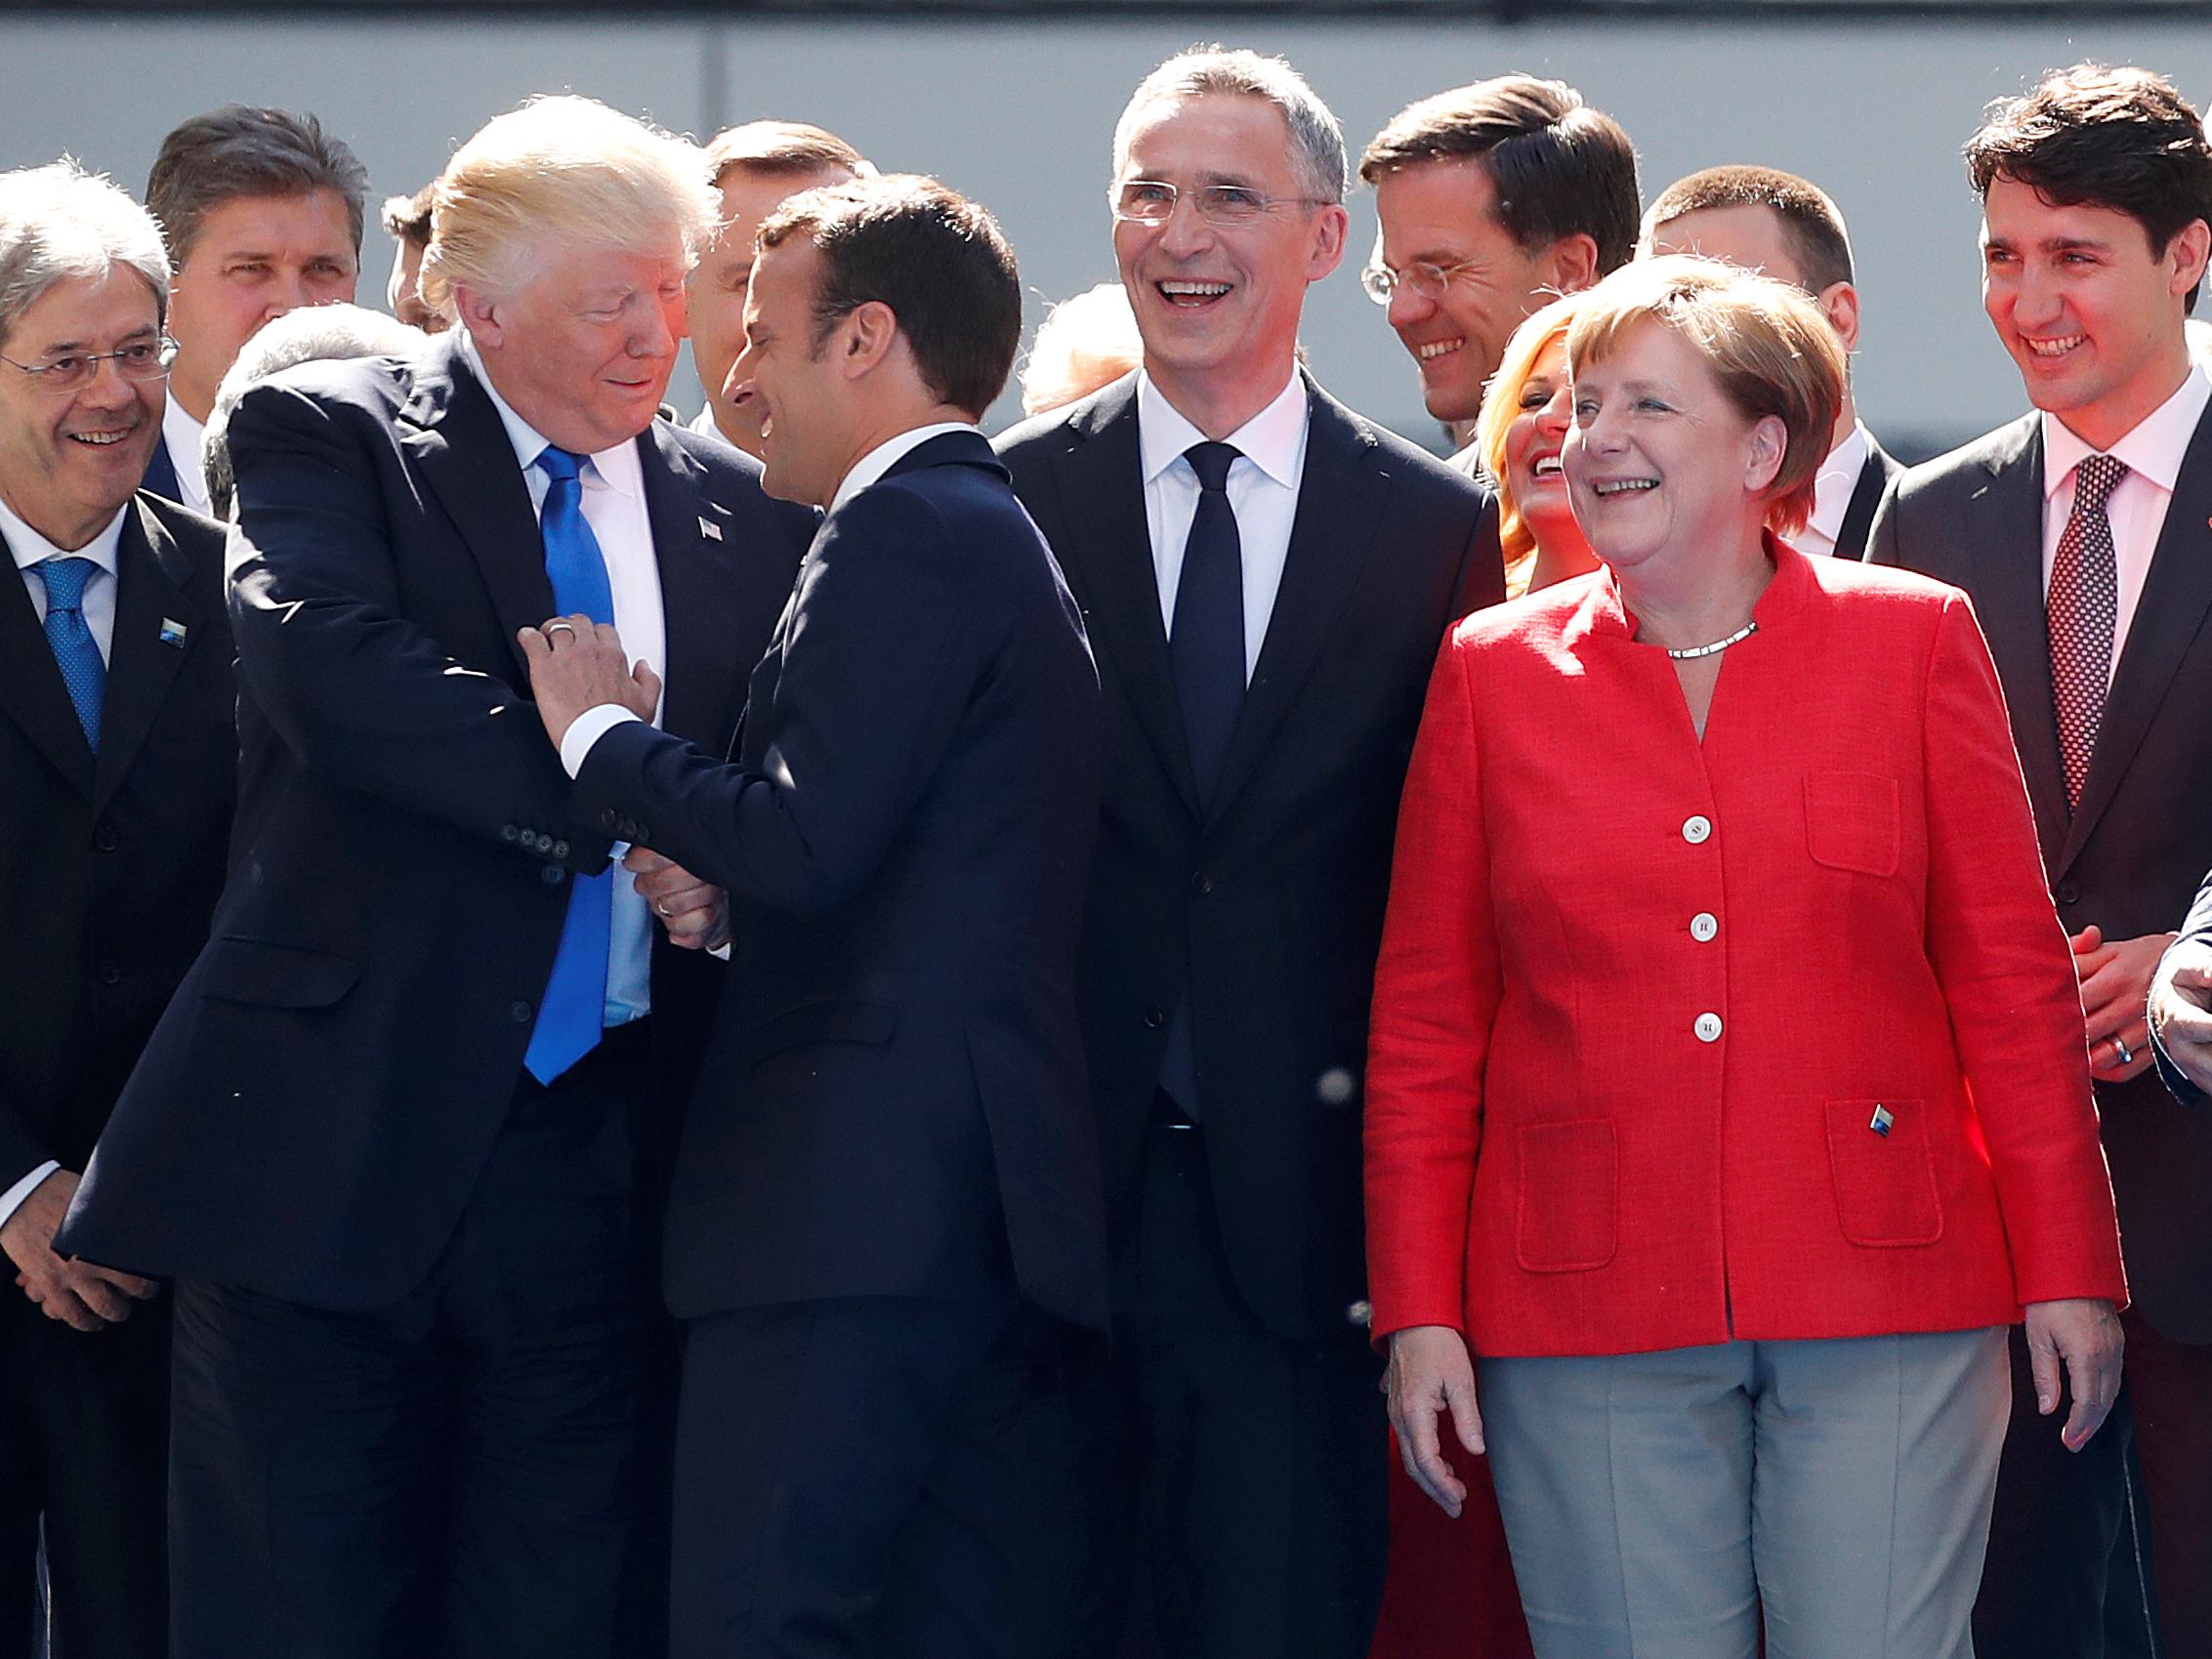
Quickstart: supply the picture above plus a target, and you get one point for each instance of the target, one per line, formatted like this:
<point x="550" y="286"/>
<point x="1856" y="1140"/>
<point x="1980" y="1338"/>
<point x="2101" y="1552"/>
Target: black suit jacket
<point x="1865" y="497"/>
<point x="893" y="1103"/>
<point x="2130" y="856"/>
<point x="312" y="1113"/>
<point x="1266" y="907"/>
<point x="161" y="472"/>
<point x="111" y="867"/>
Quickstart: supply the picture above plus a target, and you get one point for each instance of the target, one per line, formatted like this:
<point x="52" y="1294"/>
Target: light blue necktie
<point x="75" y="651"/>
<point x="573" y="1008"/>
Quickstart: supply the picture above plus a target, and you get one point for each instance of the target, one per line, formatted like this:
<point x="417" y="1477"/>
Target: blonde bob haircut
<point x="560" y="172"/>
<point x="1538" y="334"/>
<point x="1765" y="343"/>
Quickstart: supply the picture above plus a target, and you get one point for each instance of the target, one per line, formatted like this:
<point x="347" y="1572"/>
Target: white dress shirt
<point x="29" y="548"/>
<point x="613" y="484"/>
<point x="2152" y="451"/>
<point x="1262" y="492"/>
<point x="186" y="439"/>
<point x="1832" y="490"/>
<point x="702" y="422"/>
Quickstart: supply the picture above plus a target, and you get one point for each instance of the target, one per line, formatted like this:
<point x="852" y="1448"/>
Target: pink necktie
<point x="2081" y="611"/>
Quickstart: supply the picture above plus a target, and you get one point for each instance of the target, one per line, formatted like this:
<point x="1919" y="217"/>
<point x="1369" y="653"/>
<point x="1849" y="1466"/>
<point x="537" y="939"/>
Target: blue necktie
<point x="573" y="1010"/>
<point x="1205" y="649"/>
<point x="75" y="651"/>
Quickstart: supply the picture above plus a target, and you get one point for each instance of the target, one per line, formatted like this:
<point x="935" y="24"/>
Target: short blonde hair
<point x="560" y="171"/>
<point x="1084" y="343"/>
<point x="1538" y="332"/>
<point x="1767" y="345"/>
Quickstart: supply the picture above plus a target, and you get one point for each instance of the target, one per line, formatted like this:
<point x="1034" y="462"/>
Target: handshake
<point x="577" y="664"/>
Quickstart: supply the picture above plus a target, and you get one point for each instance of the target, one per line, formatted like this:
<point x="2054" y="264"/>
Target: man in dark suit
<point x="117" y="761"/>
<point x="1766" y="219"/>
<point x="887" y="1203"/>
<point x="2084" y="534"/>
<point x="400" y="1134"/>
<point x="1266" y="578"/>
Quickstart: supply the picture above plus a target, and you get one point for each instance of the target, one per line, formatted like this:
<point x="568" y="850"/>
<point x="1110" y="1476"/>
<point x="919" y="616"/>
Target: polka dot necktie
<point x="75" y="652"/>
<point x="2081" y="611"/>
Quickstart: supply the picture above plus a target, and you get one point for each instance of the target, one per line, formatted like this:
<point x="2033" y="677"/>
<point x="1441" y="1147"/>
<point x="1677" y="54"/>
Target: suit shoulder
<point x="1970" y="465"/>
<point x="197" y="536"/>
<point x="1042" y="435"/>
<point x="1404" y="460"/>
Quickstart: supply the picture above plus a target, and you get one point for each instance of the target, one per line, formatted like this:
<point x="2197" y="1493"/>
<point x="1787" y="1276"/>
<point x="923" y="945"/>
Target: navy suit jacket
<point x="310" y="1115"/>
<point x="2129" y="855"/>
<point x="161" y="472"/>
<point x="1264" y="905"/>
<point x="893" y="1102"/>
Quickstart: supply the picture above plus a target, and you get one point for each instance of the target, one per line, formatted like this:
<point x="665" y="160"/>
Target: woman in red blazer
<point x="1727" y="1092"/>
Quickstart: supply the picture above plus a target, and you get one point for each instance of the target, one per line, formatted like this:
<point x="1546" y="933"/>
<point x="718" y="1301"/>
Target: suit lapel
<point x="698" y="665"/>
<point x="2008" y="595"/>
<point x="161" y="473"/>
<point x="1339" y="497"/>
<point x="2176" y="595"/>
<point x="142" y="665"/>
<point x="453" y="433"/>
<point x="31" y="692"/>
<point x="1865" y="497"/>
<point x="1108" y="561"/>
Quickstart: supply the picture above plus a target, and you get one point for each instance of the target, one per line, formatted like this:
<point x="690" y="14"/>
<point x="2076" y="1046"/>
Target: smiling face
<point x="583" y="348"/>
<point x="69" y="459"/>
<point x="1444" y="213"/>
<point x="1660" y="462"/>
<point x="786" y="389"/>
<point x="1534" y="478"/>
<point x="2090" y="311"/>
<point x="1219" y="309"/>
<point x="255" y="258"/>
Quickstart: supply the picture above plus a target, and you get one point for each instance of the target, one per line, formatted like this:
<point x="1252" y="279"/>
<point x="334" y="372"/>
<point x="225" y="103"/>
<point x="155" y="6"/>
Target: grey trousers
<point x="1657" y="1504"/>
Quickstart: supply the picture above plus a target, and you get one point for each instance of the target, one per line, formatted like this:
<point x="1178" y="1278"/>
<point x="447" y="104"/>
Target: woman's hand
<point x="2081" y="1336"/>
<point x="1430" y="1374"/>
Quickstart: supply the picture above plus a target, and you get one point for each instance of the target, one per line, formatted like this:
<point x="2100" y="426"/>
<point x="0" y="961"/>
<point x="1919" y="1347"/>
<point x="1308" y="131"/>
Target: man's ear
<point x="1839" y="303"/>
<point x="1332" y="225"/>
<point x="483" y="315"/>
<point x="1571" y="264"/>
<point x="864" y="337"/>
<point x="2188" y="252"/>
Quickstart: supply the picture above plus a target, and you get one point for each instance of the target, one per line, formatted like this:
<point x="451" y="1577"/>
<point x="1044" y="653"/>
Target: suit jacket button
<point x="108" y="974"/>
<point x="518" y="1012"/>
<point x="508" y="832"/>
<point x="561" y="850"/>
<point x="104" y="838"/>
<point x="552" y="875"/>
<point x="609" y="820"/>
<point x="1154" y="1019"/>
<point x="1201" y="881"/>
<point x="2067" y="893"/>
<point x="638" y="832"/>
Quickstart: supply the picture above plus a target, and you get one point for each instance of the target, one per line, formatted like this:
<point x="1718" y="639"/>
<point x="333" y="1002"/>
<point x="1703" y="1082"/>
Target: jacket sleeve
<point x="2008" y="979"/>
<point x="1436" y="990"/>
<point x="361" y="693"/>
<point x="872" y="691"/>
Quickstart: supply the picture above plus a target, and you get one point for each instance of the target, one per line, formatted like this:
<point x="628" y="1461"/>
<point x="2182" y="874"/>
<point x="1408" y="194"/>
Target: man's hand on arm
<point x="2181" y="1010"/>
<point x="2080" y="1338"/>
<point x="81" y="1296"/>
<point x="576" y="664"/>
<point x="2116" y="986"/>
<point x="696" y="913"/>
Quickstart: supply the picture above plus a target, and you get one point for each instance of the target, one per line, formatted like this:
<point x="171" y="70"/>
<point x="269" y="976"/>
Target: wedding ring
<point x="568" y="628"/>
<point x="2126" y="1053"/>
<point x="662" y="905"/>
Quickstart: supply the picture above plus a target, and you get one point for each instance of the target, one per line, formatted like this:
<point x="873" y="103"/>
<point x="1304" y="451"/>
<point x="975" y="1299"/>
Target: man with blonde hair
<point x="399" y="1137"/>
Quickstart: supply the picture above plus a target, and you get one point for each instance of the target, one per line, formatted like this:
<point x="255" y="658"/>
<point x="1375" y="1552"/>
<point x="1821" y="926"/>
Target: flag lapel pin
<point x="173" y="631"/>
<point x="710" y="529"/>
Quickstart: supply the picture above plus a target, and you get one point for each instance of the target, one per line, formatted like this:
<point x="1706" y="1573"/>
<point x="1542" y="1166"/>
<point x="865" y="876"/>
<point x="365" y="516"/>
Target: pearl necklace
<point x="1693" y="652"/>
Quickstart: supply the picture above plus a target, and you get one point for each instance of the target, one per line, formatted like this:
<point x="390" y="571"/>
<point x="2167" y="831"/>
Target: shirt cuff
<point x="12" y="1200"/>
<point x="588" y="728"/>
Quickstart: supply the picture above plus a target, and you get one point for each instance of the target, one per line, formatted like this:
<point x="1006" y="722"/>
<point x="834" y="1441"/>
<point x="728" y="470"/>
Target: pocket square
<point x="710" y="529"/>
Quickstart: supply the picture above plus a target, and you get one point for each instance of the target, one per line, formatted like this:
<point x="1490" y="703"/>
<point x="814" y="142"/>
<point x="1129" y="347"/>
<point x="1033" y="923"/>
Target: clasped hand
<point x="577" y="664"/>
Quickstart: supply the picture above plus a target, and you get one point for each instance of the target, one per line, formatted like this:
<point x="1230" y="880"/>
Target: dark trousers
<point x="846" y="1477"/>
<point x="2069" y="1573"/>
<point x="2170" y="1383"/>
<point x="84" y="1419"/>
<point x="476" y="1473"/>
<point x="1219" y="1492"/>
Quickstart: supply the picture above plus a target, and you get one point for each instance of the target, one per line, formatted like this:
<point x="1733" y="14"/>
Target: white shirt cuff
<point x="12" y="1200"/>
<point x="588" y="728"/>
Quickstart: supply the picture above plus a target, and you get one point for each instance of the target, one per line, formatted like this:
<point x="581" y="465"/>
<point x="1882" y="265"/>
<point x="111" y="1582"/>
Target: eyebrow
<point x="61" y="345"/>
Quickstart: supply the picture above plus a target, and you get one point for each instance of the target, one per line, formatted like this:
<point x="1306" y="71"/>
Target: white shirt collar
<point x="186" y="439"/>
<point x="1838" y="480"/>
<point x="2154" y="446"/>
<point x="618" y="468"/>
<point x="30" y="548"/>
<point x="870" y="468"/>
<point x="1272" y="441"/>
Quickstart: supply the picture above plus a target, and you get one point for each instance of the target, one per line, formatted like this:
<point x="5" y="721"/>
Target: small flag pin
<point x="710" y="529"/>
<point x="173" y="631"/>
<point x="1880" y="1122"/>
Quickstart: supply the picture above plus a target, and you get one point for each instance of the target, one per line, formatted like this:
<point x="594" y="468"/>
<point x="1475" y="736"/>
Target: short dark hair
<point x="2123" y="138"/>
<point x="1812" y="223"/>
<point x="782" y="150"/>
<point x="406" y="219"/>
<point x="237" y="151"/>
<point x="936" y="259"/>
<point x="1559" y="167"/>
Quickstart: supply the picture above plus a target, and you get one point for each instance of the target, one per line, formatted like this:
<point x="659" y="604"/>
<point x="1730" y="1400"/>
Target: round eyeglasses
<point x="1425" y="279"/>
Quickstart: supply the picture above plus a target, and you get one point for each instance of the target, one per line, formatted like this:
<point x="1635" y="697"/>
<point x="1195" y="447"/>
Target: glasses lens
<point x="148" y="360"/>
<point x="1230" y="205"/>
<point x="1144" y="200"/>
<point x="1378" y="282"/>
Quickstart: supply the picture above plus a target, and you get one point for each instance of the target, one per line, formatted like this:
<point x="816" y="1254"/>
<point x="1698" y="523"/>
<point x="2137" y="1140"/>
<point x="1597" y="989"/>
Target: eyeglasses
<point x="1427" y="280"/>
<point x="141" y="359"/>
<point x="1226" y="207"/>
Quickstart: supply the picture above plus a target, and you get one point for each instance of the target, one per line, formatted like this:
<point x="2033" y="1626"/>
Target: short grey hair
<point x="311" y="334"/>
<point x="1316" y="141"/>
<point x="59" y="222"/>
<point x="238" y="151"/>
